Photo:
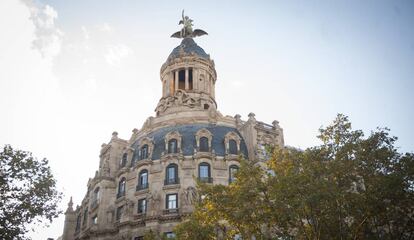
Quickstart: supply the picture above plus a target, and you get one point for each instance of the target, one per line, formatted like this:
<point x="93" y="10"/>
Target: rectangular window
<point x="171" y="174"/>
<point x="204" y="171"/>
<point x="172" y="201"/>
<point x="169" y="235"/>
<point x="85" y="217"/>
<point x="95" y="220"/>
<point x="142" y="205"/>
<point x="119" y="212"/>
<point x="78" y="222"/>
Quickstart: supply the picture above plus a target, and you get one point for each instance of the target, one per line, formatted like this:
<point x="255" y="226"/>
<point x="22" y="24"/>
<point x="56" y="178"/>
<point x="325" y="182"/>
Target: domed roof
<point x="188" y="133"/>
<point x="188" y="47"/>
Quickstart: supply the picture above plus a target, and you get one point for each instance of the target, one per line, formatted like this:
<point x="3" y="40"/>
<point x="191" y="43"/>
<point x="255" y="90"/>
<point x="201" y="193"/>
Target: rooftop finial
<point x="187" y="30"/>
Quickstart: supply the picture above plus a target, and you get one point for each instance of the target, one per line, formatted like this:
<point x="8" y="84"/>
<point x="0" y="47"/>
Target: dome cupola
<point x="188" y="76"/>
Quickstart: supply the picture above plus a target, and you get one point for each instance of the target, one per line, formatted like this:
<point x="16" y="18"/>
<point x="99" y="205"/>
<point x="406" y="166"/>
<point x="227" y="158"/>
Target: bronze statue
<point x="187" y="30"/>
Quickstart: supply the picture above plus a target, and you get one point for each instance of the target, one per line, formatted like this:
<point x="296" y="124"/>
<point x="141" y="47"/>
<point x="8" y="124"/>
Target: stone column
<point x="186" y="79"/>
<point x="195" y="79"/>
<point x="176" y="80"/>
<point x="171" y="84"/>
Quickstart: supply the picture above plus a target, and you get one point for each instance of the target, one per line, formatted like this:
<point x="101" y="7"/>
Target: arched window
<point x="95" y="197"/>
<point x="232" y="146"/>
<point x="232" y="171"/>
<point x="78" y="222"/>
<point x="144" y="152"/>
<point x="171" y="174"/>
<point x="204" y="174"/>
<point x="124" y="160"/>
<point x="143" y="180"/>
<point x="85" y="217"/>
<point x="121" y="187"/>
<point x="172" y="146"/>
<point x="203" y="144"/>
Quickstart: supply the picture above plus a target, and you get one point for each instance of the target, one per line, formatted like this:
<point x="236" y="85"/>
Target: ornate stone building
<point x="148" y="181"/>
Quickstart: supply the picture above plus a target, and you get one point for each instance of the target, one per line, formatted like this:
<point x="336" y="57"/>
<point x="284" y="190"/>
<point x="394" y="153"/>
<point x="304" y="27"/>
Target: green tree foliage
<point x="151" y="235"/>
<point x="27" y="193"/>
<point x="349" y="187"/>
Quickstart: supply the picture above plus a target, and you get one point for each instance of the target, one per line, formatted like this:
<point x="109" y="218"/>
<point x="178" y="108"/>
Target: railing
<point x="171" y="211"/>
<point x="142" y="186"/>
<point x="206" y="179"/>
<point x="171" y="181"/>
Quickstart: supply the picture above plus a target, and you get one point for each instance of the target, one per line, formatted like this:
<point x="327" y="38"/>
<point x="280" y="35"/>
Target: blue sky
<point x="74" y="71"/>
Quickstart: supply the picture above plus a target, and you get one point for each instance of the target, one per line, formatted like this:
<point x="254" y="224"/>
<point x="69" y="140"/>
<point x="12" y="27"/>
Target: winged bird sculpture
<point x="187" y="30"/>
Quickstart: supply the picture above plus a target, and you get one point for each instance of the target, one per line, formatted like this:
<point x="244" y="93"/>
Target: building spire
<point x="187" y="30"/>
<point x="70" y="205"/>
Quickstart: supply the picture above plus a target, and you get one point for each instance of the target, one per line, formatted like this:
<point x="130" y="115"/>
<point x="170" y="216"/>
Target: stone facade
<point x="148" y="181"/>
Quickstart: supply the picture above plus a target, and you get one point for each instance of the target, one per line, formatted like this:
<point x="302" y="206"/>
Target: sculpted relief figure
<point x="154" y="200"/>
<point x="190" y="195"/>
<point x="129" y="208"/>
<point x="180" y="98"/>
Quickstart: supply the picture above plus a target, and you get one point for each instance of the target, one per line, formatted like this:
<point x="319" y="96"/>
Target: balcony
<point x="140" y="216"/>
<point x="142" y="186"/>
<point x="170" y="211"/>
<point x="172" y="181"/>
<point x="206" y="179"/>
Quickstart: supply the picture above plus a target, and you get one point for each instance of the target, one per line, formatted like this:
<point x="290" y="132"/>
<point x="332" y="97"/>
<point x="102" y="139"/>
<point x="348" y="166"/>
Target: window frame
<point x="167" y="198"/>
<point x="121" y="186"/>
<point x="204" y="145"/>
<point x="85" y="217"/>
<point x="204" y="178"/>
<point x="170" y="235"/>
<point x="78" y="222"/>
<point x="94" y="219"/>
<point x="119" y="213"/>
<point x="233" y="149"/>
<point x="231" y="176"/>
<point x="168" y="180"/>
<point x="141" y="184"/>
<point x="144" y="154"/>
<point x="169" y="150"/>
<point x="124" y="160"/>
<point x="142" y="209"/>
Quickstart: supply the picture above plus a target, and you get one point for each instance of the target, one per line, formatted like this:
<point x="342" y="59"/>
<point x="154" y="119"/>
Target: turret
<point x="70" y="222"/>
<point x="188" y="76"/>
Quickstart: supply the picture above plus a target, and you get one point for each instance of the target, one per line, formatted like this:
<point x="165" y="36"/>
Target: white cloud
<point x="48" y="36"/>
<point x="85" y="32"/>
<point x="115" y="53"/>
<point x="29" y="93"/>
<point x="105" y="27"/>
<point x="237" y="83"/>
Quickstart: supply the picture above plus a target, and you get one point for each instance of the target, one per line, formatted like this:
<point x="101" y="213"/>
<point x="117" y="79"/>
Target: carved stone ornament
<point x="190" y="195"/>
<point x="105" y="169"/>
<point x="180" y="98"/>
<point x="154" y="200"/>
